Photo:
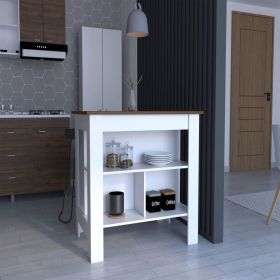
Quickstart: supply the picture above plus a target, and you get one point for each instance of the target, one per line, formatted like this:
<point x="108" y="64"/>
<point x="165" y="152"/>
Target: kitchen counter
<point x="19" y="116"/>
<point x="34" y="154"/>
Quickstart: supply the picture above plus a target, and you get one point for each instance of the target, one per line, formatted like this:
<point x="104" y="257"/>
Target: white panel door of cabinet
<point x="100" y="69"/>
<point x="112" y="70"/>
<point x="91" y="76"/>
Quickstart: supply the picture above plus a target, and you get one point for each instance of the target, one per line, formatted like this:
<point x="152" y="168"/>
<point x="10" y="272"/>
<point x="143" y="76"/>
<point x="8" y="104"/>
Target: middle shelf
<point x="143" y="167"/>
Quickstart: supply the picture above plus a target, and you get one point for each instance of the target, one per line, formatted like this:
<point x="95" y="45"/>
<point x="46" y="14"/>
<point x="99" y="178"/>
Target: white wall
<point x="129" y="52"/>
<point x="233" y="6"/>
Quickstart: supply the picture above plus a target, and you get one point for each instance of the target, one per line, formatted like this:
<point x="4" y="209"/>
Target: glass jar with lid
<point x="126" y="156"/>
<point x="112" y="154"/>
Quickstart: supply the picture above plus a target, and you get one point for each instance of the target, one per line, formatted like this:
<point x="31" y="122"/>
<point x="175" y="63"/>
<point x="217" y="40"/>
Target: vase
<point x="132" y="101"/>
<point x="116" y="203"/>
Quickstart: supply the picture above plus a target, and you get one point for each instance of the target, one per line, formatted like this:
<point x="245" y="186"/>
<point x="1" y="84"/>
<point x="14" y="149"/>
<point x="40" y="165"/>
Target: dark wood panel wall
<point x="180" y="63"/>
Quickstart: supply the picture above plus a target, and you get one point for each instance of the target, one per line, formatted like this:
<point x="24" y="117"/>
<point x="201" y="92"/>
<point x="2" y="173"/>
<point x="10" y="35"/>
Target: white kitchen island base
<point x="146" y="131"/>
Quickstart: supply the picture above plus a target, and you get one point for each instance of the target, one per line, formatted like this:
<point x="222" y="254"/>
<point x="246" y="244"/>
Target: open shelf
<point x="9" y="54"/>
<point x="133" y="217"/>
<point x="143" y="167"/>
<point x="8" y="25"/>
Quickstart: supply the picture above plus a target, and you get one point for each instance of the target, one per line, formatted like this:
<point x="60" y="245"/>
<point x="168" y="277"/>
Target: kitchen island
<point x="145" y="131"/>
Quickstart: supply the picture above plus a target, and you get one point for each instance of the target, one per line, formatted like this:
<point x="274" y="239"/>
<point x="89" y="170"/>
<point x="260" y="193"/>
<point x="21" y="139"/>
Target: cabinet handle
<point x="11" y="155"/>
<point x="42" y="131"/>
<point x="11" y="132"/>
<point x="49" y="41"/>
<point x="12" y="178"/>
<point x="37" y="40"/>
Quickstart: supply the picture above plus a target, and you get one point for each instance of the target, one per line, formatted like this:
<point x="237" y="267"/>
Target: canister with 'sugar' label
<point x="168" y="199"/>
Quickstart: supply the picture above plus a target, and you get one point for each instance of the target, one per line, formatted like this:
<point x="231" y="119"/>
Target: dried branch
<point x="139" y="80"/>
<point x="129" y="82"/>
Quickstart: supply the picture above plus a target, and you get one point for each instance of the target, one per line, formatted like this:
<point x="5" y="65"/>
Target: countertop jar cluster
<point x="119" y="156"/>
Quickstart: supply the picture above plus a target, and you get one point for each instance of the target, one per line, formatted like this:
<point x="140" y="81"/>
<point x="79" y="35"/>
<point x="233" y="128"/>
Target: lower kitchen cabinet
<point x="34" y="155"/>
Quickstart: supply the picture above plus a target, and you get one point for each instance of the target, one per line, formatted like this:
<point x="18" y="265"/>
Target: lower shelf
<point x="133" y="217"/>
<point x="9" y="54"/>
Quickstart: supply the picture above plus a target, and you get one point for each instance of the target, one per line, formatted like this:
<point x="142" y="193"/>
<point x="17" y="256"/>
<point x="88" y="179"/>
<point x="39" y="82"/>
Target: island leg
<point x="193" y="182"/>
<point x="95" y="165"/>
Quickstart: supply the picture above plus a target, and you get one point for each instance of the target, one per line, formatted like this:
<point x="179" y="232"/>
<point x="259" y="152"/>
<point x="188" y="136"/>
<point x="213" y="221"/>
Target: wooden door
<point x="31" y="20"/>
<point x="54" y="21"/>
<point x="251" y="89"/>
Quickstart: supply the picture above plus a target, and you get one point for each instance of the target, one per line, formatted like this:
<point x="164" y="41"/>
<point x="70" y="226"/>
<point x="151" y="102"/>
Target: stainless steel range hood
<point x="43" y="51"/>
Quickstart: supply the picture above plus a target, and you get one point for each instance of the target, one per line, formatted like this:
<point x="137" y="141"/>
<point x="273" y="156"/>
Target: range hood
<point x="43" y="51"/>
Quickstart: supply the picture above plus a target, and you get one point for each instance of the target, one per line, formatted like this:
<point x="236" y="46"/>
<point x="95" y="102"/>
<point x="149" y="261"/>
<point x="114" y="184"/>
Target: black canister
<point x="153" y="199"/>
<point x="116" y="203"/>
<point x="168" y="199"/>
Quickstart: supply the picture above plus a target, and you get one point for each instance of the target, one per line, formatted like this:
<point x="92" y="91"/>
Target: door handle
<point x="268" y="96"/>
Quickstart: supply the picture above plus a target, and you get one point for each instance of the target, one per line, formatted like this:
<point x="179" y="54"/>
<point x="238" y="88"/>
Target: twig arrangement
<point x="129" y="82"/>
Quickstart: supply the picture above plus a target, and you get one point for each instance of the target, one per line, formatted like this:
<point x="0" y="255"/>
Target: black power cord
<point x="69" y="134"/>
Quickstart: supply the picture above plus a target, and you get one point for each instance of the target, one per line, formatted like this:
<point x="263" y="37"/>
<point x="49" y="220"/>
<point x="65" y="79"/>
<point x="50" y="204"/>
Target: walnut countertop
<point x="21" y="116"/>
<point x="88" y="113"/>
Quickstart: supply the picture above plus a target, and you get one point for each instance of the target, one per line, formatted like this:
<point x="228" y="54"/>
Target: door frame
<point x="231" y="73"/>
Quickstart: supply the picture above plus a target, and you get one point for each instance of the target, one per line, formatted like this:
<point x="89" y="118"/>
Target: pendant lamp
<point x="137" y="23"/>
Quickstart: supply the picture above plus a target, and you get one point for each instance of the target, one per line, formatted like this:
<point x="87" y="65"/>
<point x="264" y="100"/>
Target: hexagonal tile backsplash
<point x="42" y="84"/>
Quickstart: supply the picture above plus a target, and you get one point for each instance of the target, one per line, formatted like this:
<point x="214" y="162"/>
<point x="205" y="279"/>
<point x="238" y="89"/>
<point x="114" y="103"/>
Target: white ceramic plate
<point x="156" y="153"/>
<point x="157" y="158"/>
<point x="158" y="163"/>
<point x="167" y="156"/>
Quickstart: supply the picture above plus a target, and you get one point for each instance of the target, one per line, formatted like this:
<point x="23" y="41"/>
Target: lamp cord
<point x="138" y="4"/>
<point x="67" y="221"/>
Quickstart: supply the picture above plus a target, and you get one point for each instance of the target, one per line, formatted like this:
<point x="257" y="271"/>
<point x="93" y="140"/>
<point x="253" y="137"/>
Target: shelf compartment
<point x="143" y="167"/>
<point x="123" y="183"/>
<point x="9" y="12"/>
<point x="133" y="217"/>
<point x="9" y="41"/>
<point x="9" y="54"/>
<point x="9" y="25"/>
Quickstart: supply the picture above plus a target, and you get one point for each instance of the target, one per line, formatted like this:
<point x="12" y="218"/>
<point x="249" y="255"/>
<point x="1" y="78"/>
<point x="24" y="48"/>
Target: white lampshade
<point x="137" y="23"/>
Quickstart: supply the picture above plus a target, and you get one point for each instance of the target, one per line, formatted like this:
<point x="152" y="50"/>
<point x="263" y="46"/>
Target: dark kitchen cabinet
<point x="34" y="155"/>
<point x="42" y="21"/>
<point x="31" y="21"/>
<point x="54" y="21"/>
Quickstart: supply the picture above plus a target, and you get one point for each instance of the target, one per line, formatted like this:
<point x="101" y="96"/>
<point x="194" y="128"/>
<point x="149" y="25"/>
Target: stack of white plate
<point x="157" y="158"/>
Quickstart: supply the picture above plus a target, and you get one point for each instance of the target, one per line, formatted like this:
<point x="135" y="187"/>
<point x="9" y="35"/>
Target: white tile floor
<point x="34" y="245"/>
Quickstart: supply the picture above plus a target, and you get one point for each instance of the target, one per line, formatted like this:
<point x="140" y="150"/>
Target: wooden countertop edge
<point x="88" y="113"/>
<point x="4" y="117"/>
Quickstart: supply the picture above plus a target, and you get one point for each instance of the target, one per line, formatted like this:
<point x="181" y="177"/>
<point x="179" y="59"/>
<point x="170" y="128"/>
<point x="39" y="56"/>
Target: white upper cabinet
<point x="100" y="63"/>
<point x="9" y="28"/>
<point x="90" y="98"/>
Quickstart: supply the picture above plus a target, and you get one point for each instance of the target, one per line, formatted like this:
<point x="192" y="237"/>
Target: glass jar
<point x="126" y="156"/>
<point x="112" y="154"/>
